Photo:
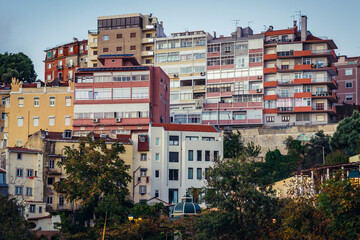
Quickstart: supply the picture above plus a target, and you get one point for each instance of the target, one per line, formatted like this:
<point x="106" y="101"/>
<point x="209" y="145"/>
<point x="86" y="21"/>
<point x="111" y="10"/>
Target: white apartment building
<point x="173" y="159"/>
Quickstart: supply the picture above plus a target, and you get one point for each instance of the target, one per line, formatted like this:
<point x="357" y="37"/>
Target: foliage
<point x="234" y="146"/>
<point x="277" y="165"/>
<point x="336" y="157"/>
<point x="252" y="151"/>
<point x="16" y="65"/>
<point x="347" y="135"/>
<point x="314" y="151"/>
<point x="98" y="178"/>
<point x="12" y="225"/>
<point x="243" y="197"/>
<point x="143" y="210"/>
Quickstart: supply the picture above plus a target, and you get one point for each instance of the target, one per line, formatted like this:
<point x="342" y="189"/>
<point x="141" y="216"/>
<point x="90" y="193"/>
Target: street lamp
<point x="323" y="152"/>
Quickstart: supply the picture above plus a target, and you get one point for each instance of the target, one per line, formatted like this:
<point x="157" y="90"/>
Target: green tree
<point x="277" y="165"/>
<point x="347" y="135"/>
<point x="244" y="199"/>
<point x="314" y="151"/>
<point x="98" y="178"/>
<point x="16" y="65"/>
<point x="336" y="157"/>
<point x="233" y="145"/>
<point x="12" y="225"/>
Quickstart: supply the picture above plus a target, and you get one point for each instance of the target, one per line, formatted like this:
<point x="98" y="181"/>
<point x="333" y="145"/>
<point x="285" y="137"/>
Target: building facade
<point x="299" y="77"/>
<point x="174" y="159"/>
<point x="129" y="34"/>
<point x="36" y="106"/>
<point x="62" y="61"/>
<point x="92" y="48"/>
<point x="348" y="79"/>
<point x="4" y="94"/>
<point x="121" y="97"/>
<point x="3" y="184"/>
<point x="183" y="57"/>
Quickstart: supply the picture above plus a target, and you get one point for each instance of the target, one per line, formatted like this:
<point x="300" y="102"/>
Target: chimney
<point x="270" y="28"/>
<point x="303" y="28"/>
<point x="295" y="23"/>
<point x="214" y="34"/>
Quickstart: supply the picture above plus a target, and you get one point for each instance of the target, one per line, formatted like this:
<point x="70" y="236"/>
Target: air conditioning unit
<point x="203" y="73"/>
<point x="259" y="77"/>
<point x="258" y="90"/>
<point x="103" y="135"/>
<point x="118" y="120"/>
<point x="96" y="120"/>
<point x="176" y="75"/>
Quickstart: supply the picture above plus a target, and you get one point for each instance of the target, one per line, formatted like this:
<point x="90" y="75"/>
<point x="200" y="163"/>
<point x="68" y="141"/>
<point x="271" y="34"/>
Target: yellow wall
<point x="3" y="94"/>
<point x="28" y="111"/>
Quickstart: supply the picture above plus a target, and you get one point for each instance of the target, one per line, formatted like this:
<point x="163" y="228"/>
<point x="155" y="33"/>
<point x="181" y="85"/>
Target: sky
<point x="33" y="26"/>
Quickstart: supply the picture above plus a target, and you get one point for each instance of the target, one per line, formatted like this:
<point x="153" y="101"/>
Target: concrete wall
<point x="271" y="138"/>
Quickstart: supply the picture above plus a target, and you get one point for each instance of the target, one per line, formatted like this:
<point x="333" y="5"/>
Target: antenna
<point x="236" y="22"/>
<point x="265" y="27"/>
<point x="299" y="14"/>
<point x="249" y="22"/>
<point x="293" y="17"/>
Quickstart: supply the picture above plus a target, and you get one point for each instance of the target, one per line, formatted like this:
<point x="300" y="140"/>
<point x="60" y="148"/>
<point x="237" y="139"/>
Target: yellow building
<point x="37" y="106"/>
<point x="52" y="145"/>
<point x="93" y="47"/>
<point x="4" y="94"/>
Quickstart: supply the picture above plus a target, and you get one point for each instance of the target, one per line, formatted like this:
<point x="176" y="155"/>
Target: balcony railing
<point x="285" y="109"/>
<point x="325" y="94"/>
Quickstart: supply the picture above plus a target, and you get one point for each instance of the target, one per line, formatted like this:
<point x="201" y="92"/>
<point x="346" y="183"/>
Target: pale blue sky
<point x="31" y="26"/>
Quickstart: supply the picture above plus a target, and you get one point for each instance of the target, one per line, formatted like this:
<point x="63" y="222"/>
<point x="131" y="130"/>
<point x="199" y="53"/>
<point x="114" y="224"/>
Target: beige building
<point x="92" y="48"/>
<point x="4" y="94"/>
<point x="36" y="106"/>
<point x="129" y="34"/>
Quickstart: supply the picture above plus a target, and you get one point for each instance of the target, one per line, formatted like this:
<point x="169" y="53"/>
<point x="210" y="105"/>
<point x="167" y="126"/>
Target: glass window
<point x="173" y="174"/>
<point x="35" y="121"/>
<point x="52" y="101"/>
<point x="18" y="190"/>
<point x="61" y="200"/>
<point x="157" y="173"/>
<point x="207" y="155"/>
<point x="348" y="71"/>
<point x="173" y="156"/>
<point x="30" y="172"/>
<point x="67" y="120"/>
<point x="173" y="196"/>
<point x="174" y="140"/>
<point x="68" y="101"/>
<point x="349" y="97"/>
<point x="157" y="156"/>
<point x="19" y="172"/>
<point x="198" y="173"/>
<point x="199" y="153"/>
<point x="191" y="155"/>
<point x="28" y="191"/>
<point x="157" y="141"/>
<point x="20" y="121"/>
<point x="190" y="173"/>
<point x="106" y="37"/>
<point x="20" y="102"/>
<point x="51" y="120"/>
<point x="348" y="84"/>
<point x="143" y="156"/>
<point x="36" y="102"/>
<point x="140" y="93"/>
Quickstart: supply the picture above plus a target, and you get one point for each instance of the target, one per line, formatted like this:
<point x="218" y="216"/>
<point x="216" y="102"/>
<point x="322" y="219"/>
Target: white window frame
<point x="50" y="122"/>
<point x="36" y="121"/>
<point x="52" y="101"/>
<point x="20" y="121"/>
<point x="67" y="120"/>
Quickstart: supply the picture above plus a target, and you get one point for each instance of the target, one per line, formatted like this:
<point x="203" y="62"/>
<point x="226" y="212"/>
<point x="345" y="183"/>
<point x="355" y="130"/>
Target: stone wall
<point x="271" y="138"/>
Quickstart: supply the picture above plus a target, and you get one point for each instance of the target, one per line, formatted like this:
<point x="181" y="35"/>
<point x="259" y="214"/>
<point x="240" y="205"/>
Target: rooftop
<point x="27" y="150"/>
<point x="186" y="127"/>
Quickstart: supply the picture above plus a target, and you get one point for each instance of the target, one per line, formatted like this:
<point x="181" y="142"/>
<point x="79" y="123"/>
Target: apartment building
<point x="298" y="77"/>
<point x="61" y="61"/>
<point x="3" y="185"/>
<point x="348" y="79"/>
<point x="183" y="57"/>
<point x="4" y="94"/>
<point x="173" y="159"/>
<point x="129" y="34"/>
<point x="121" y="97"/>
<point x="234" y="84"/>
<point x="52" y="145"/>
<point x="35" y="106"/>
<point x="92" y="48"/>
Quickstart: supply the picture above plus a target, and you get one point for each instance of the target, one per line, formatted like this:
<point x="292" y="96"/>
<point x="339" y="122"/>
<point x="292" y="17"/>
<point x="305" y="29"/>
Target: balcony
<point x="70" y="65"/>
<point x="270" y="56"/>
<point x="315" y="108"/>
<point x="270" y="84"/>
<point x="147" y="53"/>
<point x="331" y="96"/>
<point x="290" y="68"/>
<point x="330" y="53"/>
<point x="59" y="67"/>
<point x="270" y="70"/>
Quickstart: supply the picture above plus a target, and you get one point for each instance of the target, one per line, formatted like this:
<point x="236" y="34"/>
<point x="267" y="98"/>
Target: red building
<point x="62" y="61"/>
<point x="348" y="79"/>
<point x="121" y="97"/>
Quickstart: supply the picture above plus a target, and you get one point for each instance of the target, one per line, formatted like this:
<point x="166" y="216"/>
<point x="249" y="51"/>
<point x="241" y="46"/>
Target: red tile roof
<point x="59" y="136"/>
<point x="186" y="127"/>
<point x="281" y="32"/>
<point x="18" y="149"/>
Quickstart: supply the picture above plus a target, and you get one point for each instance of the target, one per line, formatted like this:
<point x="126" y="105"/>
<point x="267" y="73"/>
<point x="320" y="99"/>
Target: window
<point x="106" y="37"/>
<point x="50" y="181"/>
<point x="32" y="208"/>
<point x="191" y="138"/>
<point x="143" y="156"/>
<point x="132" y="35"/>
<point x="18" y="190"/>
<point x="61" y="200"/>
<point x="143" y="172"/>
<point x="68" y="101"/>
<point x="118" y="49"/>
<point x="49" y="66"/>
<point x="157" y="156"/>
<point x="71" y="49"/>
<point x="285" y="118"/>
<point x="157" y="173"/>
<point x="61" y="51"/>
<point x="148" y="35"/>
<point x="105" y="49"/>
<point x="133" y="48"/>
<point x="19" y="172"/>
<point x="216" y="154"/>
<point x="198" y="173"/>
<point x="270" y="119"/>
<point x="20" y="102"/>
<point x="207" y="155"/>
<point x="30" y="172"/>
<point x="3" y="116"/>
<point x="49" y="200"/>
<point x="208" y="138"/>
<point x="199" y="155"/>
<point x="51" y="164"/>
<point x="173" y="174"/>
<point x="36" y="102"/>
<point x="348" y="71"/>
<point x="3" y="101"/>
<point x="29" y="191"/>
<point x="20" y="121"/>
<point x="118" y="35"/>
<point x="142" y="190"/>
<point x="19" y="156"/>
<point x="173" y="157"/>
<point x="67" y="120"/>
<point x="52" y="101"/>
<point x="190" y="173"/>
<point x="348" y="84"/>
<point x="36" y="121"/>
<point x="173" y="196"/>
<point x="349" y="97"/>
<point x="191" y="155"/>
<point x="40" y="209"/>
<point x="121" y="93"/>
<point x="157" y="194"/>
<point x="140" y="93"/>
<point x="157" y="141"/>
<point x="320" y="118"/>
<point x="174" y="140"/>
<point x="207" y="173"/>
<point x="102" y="93"/>
<point x="51" y="120"/>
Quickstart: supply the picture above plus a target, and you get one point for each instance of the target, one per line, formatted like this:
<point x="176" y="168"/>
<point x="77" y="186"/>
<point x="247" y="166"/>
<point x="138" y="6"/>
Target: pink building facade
<point x="120" y="98"/>
<point x="348" y="79"/>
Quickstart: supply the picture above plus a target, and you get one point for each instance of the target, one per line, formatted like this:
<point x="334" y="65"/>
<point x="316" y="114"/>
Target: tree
<point x="347" y="135"/>
<point x="12" y="225"/>
<point x="314" y="151"/>
<point x="98" y="178"/>
<point x="277" y="165"/>
<point x="16" y="65"/>
<point x="233" y="145"/>
<point x="243" y="197"/>
<point x="336" y="157"/>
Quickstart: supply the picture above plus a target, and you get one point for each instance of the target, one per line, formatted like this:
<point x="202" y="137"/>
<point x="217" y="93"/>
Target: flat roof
<point x="186" y="127"/>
